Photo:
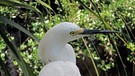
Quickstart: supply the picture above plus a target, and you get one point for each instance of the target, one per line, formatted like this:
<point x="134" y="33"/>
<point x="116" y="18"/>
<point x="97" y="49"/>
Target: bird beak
<point x="87" y="31"/>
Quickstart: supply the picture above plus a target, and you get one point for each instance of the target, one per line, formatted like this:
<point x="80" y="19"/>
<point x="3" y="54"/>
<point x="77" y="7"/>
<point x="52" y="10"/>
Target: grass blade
<point x="26" y="70"/>
<point x="19" y="27"/>
<point x="92" y="59"/>
<point x="86" y="7"/>
<point x="100" y="17"/>
<point x="116" y="48"/>
<point x="3" y="66"/>
<point x="44" y="4"/>
<point x="17" y="4"/>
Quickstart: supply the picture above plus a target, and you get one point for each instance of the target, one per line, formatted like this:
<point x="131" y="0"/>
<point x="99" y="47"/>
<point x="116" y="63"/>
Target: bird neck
<point x="54" y="42"/>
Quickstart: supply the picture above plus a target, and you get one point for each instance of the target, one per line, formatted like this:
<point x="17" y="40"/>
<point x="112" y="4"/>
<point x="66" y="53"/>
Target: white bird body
<point x="54" y="45"/>
<point x="60" y="68"/>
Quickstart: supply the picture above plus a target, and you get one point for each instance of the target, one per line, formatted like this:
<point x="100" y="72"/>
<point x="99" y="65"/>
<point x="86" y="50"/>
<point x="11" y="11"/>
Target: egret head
<point x="55" y="41"/>
<point x="68" y="31"/>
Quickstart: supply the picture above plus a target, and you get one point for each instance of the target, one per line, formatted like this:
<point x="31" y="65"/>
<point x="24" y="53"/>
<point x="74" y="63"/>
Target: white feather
<point x="60" y="68"/>
<point x="53" y="46"/>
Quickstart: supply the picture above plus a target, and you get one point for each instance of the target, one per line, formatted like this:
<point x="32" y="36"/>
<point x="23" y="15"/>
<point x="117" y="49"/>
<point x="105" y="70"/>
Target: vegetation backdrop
<point x="24" y="22"/>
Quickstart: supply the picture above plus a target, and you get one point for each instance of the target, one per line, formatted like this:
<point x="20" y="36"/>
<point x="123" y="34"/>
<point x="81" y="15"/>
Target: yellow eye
<point x="72" y="33"/>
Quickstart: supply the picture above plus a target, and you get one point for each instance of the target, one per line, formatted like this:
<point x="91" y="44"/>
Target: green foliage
<point x="131" y="56"/>
<point x="105" y="66"/>
<point x="36" y="17"/>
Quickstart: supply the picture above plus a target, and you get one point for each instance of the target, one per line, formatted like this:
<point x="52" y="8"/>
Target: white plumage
<point x="60" y="68"/>
<point x="53" y="46"/>
<point x="57" y="54"/>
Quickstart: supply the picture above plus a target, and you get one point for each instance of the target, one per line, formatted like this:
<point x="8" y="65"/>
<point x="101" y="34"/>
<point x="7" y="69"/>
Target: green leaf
<point x="4" y="67"/>
<point x="17" y="4"/>
<point x="19" y="27"/>
<point x="44" y="4"/>
<point x="86" y="7"/>
<point x="25" y="68"/>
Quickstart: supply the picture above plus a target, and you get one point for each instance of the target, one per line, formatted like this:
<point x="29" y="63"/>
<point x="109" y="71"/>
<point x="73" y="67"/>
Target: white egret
<point x="53" y="46"/>
<point x="57" y="54"/>
<point x="60" y="68"/>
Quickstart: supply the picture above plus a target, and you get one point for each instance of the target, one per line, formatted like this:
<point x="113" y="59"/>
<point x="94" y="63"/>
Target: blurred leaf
<point x="25" y="68"/>
<point x="4" y="67"/>
<point x="85" y="6"/>
<point x="19" y="27"/>
<point x="17" y="4"/>
<point x="44" y="4"/>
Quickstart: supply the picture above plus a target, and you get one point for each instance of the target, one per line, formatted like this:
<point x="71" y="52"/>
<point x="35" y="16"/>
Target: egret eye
<point x="72" y="33"/>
